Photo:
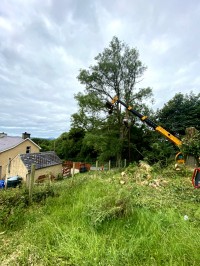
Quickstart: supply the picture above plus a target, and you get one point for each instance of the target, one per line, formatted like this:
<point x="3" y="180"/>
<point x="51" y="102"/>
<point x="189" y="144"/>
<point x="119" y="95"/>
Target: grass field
<point x="104" y="219"/>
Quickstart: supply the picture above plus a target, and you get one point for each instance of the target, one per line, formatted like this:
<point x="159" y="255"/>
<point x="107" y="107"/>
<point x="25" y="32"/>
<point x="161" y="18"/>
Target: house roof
<point x="40" y="159"/>
<point x="9" y="142"/>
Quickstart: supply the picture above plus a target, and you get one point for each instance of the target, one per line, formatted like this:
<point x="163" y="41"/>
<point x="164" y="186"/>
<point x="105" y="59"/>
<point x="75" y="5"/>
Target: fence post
<point x="6" y="182"/>
<point x="31" y="182"/>
<point x="96" y="169"/>
<point x="109" y="164"/>
<point x="73" y="169"/>
<point x="49" y="176"/>
<point x="124" y="163"/>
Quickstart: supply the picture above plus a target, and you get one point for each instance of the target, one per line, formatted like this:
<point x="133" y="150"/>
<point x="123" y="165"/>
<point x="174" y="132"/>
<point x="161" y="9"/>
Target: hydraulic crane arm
<point x="169" y="136"/>
<point x="150" y="123"/>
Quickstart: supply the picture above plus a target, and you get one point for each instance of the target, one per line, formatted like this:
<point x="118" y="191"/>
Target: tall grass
<point x="97" y="221"/>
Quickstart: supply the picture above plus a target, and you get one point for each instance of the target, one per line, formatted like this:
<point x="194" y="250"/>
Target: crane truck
<point x="179" y="156"/>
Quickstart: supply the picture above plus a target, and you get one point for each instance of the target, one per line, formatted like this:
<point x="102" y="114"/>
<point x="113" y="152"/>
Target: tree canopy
<point x="117" y="71"/>
<point x="180" y="112"/>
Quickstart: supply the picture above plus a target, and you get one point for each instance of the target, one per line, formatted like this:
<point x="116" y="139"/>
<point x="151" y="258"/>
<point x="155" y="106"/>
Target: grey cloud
<point x="43" y="44"/>
<point x="77" y="11"/>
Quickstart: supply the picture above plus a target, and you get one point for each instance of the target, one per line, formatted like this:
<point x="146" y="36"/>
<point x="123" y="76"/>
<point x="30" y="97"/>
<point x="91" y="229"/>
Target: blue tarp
<point x="2" y="183"/>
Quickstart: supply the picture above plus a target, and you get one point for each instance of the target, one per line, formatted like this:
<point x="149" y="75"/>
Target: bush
<point x="15" y="202"/>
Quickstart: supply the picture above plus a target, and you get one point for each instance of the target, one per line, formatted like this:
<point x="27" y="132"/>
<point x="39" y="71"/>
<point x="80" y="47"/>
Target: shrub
<point x="15" y="202"/>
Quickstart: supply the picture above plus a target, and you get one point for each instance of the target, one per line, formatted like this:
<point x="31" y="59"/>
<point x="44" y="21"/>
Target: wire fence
<point x="108" y="165"/>
<point x="97" y="165"/>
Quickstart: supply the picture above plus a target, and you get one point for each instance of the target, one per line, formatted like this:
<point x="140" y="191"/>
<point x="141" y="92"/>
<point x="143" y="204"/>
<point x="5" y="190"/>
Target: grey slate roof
<point x="8" y="142"/>
<point x="40" y="159"/>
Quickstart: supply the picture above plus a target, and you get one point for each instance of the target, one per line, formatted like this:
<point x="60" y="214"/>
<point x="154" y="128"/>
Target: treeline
<point x="141" y="142"/>
<point x="98" y="134"/>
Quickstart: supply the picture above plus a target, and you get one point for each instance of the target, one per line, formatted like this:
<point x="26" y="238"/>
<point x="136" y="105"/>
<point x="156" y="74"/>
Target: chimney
<point x="2" y="134"/>
<point x="26" y="135"/>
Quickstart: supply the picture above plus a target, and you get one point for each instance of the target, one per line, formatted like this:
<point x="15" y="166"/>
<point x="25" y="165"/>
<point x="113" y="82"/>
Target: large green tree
<point x="117" y="72"/>
<point x="180" y="112"/>
<point x="69" y="145"/>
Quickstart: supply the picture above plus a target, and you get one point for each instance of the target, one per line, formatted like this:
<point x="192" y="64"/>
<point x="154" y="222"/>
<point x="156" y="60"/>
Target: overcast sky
<point x="44" y="44"/>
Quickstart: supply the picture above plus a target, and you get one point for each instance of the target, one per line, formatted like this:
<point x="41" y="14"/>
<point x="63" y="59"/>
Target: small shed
<point x="45" y="163"/>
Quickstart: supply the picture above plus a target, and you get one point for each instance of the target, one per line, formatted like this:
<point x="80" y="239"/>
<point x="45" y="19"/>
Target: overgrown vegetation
<point x="14" y="204"/>
<point x="141" y="216"/>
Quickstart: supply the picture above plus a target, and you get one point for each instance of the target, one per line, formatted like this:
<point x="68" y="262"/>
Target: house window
<point x="28" y="149"/>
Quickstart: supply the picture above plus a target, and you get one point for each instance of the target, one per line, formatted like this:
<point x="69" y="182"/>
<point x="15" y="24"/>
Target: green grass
<point x="94" y="220"/>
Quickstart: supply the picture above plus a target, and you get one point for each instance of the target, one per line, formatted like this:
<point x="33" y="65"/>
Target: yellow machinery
<point x="179" y="156"/>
